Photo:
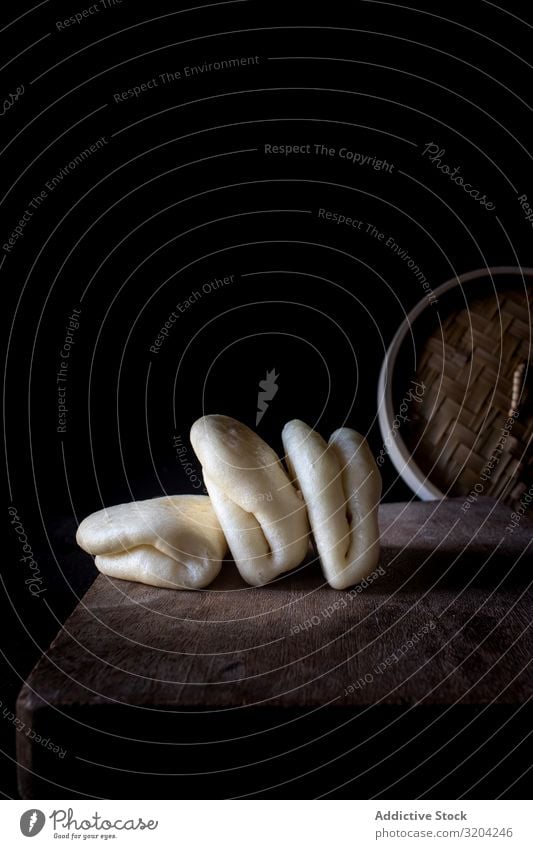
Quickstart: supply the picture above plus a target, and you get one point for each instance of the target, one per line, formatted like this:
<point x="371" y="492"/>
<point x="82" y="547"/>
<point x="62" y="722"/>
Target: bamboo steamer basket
<point x="468" y="431"/>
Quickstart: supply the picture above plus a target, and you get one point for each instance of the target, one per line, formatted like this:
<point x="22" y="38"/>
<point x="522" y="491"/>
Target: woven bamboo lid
<point x="455" y="406"/>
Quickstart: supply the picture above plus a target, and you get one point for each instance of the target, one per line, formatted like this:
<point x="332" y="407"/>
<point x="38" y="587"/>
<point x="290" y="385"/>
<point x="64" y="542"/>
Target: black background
<point x="183" y="193"/>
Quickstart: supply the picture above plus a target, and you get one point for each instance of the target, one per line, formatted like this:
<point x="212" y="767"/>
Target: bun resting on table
<point x="174" y="541"/>
<point x="260" y="511"/>
<point x="341" y="486"/>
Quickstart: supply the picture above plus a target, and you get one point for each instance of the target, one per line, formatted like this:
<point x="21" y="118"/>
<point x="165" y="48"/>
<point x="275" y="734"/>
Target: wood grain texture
<point x="443" y="622"/>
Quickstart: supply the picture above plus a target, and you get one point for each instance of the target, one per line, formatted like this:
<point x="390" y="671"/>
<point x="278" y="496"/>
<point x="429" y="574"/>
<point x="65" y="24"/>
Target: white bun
<point x="261" y="513"/>
<point x="341" y="486"/>
<point x="174" y="541"/>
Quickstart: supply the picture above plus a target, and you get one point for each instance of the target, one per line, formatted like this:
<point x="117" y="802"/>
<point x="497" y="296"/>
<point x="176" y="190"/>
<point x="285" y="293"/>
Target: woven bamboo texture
<point x="461" y="434"/>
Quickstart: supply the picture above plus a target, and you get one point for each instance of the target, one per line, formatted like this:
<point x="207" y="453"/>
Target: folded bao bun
<point x="174" y="542"/>
<point x="261" y="513"/>
<point x="341" y="485"/>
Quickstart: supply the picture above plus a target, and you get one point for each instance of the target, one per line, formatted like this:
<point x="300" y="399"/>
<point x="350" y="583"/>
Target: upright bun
<point x="261" y="513"/>
<point x="341" y="486"/>
<point x="175" y="541"/>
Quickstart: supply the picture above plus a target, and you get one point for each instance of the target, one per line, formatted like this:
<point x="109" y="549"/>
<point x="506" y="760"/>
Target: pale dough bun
<point x="175" y="541"/>
<point x="341" y="486"/>
<point x="261" y="513"/>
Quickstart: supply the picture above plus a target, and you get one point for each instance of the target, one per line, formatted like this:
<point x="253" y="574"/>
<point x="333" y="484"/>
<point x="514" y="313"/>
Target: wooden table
<point x="296" y="687"/>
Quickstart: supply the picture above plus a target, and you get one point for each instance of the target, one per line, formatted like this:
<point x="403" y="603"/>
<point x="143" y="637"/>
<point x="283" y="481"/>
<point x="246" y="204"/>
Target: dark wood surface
<point x="443" y="623"/>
